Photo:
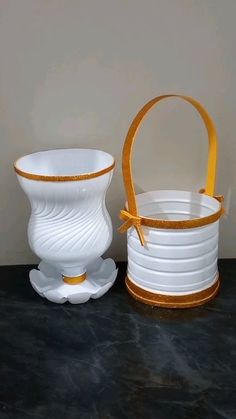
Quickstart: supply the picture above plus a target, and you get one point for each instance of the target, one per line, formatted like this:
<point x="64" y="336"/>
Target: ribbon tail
<point x="131" y="221"/>
<point x="125" y="226"/>
<point x="140" y="235"/>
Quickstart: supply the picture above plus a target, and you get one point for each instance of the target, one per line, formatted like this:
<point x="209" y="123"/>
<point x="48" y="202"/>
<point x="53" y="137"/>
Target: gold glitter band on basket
<point x="171" y="301"/>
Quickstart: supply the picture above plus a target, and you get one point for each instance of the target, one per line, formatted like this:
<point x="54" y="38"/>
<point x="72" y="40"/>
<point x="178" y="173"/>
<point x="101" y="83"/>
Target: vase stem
<point x="74" y="280"/>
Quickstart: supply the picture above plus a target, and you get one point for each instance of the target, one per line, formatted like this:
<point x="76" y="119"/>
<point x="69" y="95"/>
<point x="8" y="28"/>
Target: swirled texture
<point x="69" y="224"/>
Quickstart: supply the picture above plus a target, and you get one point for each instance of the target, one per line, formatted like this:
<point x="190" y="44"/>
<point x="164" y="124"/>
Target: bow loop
<point x="131" y="220"/>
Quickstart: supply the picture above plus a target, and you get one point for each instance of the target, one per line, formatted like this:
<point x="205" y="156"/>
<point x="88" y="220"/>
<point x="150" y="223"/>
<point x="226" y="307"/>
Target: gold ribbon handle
<point x="127" y="157"/>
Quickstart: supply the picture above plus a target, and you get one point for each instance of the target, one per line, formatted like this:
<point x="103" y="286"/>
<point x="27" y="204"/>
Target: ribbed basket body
<point x="174" y="262"/>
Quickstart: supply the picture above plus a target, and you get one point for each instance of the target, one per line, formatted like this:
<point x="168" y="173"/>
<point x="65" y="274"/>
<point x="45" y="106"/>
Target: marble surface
<point x="114" y="357"/>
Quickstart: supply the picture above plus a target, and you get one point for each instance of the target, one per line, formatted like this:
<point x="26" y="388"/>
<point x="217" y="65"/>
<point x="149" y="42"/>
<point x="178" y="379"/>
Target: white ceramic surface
<point x="180" y="261"/>
<point x="69" y="226"/>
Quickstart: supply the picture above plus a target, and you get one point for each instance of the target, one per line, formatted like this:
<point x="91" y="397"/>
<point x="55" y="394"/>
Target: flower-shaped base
<point x="48" y="282"/>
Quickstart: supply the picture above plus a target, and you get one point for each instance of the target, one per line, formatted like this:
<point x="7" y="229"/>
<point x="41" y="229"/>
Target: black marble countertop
<point x="114" y="357"/>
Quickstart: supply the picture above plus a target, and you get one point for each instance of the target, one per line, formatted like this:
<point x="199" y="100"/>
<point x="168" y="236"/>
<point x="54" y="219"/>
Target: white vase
<point x="69" y="227"/>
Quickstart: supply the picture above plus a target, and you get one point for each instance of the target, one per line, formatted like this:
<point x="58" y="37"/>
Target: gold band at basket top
<point x="68" y="178"/>
<point x="130" y="215"/>
<point x="131" y="221"/>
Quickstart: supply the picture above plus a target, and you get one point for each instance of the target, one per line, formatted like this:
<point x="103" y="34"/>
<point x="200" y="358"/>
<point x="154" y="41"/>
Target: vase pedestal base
<point x="50" y="284"/>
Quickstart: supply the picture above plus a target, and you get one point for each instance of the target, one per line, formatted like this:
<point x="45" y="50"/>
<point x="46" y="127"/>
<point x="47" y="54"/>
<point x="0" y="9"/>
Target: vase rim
<point x="64" y="164"/>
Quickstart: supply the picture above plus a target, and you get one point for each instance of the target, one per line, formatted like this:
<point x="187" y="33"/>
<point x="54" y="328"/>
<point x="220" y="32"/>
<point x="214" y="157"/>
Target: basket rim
<point x="180" y="224"/>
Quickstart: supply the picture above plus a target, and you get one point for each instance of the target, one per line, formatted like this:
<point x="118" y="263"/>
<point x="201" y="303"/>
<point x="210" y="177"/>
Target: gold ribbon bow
<point x="131" y="221"/>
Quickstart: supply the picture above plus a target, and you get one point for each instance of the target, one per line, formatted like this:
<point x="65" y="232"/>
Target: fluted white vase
<point x="69" y="227"/>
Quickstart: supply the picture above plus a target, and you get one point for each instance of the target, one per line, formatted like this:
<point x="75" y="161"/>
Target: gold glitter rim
<point x="74" y="280"/>
<point x="178" y="224"/>
<point x="45" y="178"/>
<point x="170" y="301"/>
<point x="182" y="224"/>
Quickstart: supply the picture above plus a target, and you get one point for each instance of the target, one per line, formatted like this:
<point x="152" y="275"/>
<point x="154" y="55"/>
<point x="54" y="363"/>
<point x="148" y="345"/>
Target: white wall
<point x="73" y="73"/>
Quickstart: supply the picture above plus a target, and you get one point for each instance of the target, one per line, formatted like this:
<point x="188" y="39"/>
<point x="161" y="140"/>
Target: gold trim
<point x="74" y="280"/>
<point x="171" y="224"/>
<point x="45" y="178"/>
<point x="171" y="301"/>
<point x="137" y="221"/>
<point x="181" y="224"/>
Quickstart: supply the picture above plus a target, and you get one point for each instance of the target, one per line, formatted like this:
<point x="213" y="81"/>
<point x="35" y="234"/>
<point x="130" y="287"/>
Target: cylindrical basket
<point x="172" y="235"/>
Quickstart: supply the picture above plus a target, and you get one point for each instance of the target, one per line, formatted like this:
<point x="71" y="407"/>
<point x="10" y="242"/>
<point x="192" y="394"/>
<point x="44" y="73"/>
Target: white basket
<point x="172" y="235"/>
